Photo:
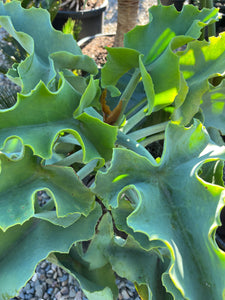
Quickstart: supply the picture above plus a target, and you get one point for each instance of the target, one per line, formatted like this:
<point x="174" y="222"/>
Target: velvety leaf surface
<point x="201" y="61"/>
<point x="172" y="204"/>
<point x="156" y="43"/>
<point x="21" y="179"/>
<point x="40" y="40"/>
<point x="39" y="238"/>
<point x="48" y="113"/>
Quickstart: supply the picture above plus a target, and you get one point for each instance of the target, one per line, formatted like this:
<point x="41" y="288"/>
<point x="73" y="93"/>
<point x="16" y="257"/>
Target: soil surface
<point x="95" y="48"/>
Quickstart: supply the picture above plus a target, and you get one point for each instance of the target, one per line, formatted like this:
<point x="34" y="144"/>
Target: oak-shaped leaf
<point x="21" y="179"/>
<point x="172" y="204"/>
<point x="22" y="247"/>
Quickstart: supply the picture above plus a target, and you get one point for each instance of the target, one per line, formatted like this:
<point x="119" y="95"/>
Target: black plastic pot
<point x="91" y="20"/>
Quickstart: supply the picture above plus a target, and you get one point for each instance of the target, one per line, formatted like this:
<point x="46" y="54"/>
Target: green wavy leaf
<point x="20" y="181"/>
<point x="46" y="47"/>
<point x="39" y="238"/>
<point x="171" y="203"/>
<point x="48" y="113"/>
<point x="201" y="61"/>
<point x="156" y="44"/>
<point x="97" y="284"/>
<point x="213" y="107"/>
<point x="128" y="259"/>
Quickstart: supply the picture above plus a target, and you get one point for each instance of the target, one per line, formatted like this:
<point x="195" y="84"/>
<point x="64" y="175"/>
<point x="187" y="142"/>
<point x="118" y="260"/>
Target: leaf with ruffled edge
<point x="33" y="30"/>
<point x="128" y="259"/>
<point x="21" y="179"/>
<point x="172" y="204"/>
<point x="97" y="284"/>
<point x="201" y="61"/>
<point x="38" y="118"/>
<point x="23" y="247"/>
<point x="156" y="44"/>
<point x="213" y="107"/>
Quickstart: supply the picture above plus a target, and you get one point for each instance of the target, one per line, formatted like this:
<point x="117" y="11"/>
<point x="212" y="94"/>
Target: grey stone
<point x="43" y="264"/>
<point x="30" y="291"/>
<point x="27" y="287"/>
<point x="39" y="291"/>
<point x="21" y="294"/>
<point x="63" y="278"/>
<point x="46" y="296"/>
<point x="54" y="267"/>
<point x="56" y="290"/>
<point x="71" y="279"/>
<point x="55" y="275"/>
<point x="34" y="277"/>
<point x="48" y="267"/>
<point x="58" y="296"/>
<point x="42" y="277"/>
<point x="64" y="283"/>
<point x="125" y="294"/>
<point x="78" y="296"/>
<point x="49" y="274"/>
<point x="59" y="271"/>
<point x="50" y="291"/>
<point x="72" y="293"/>
<point x="65" y="291"/>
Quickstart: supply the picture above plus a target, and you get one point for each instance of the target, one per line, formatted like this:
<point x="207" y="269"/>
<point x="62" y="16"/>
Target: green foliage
<point x="73" y="27"/>
<point x="151" y="220"/>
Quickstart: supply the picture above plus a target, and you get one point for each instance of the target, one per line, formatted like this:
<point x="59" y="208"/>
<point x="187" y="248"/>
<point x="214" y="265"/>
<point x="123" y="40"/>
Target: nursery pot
<point x="91" y="20"/>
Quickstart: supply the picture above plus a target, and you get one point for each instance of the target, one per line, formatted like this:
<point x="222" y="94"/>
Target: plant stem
<point x="134" y="120"/>
<point x="148" y="131"/>
<point x="136" y="107"/>
<point x="131" y="144"/>
<point x="128" y="92"/>
<point x="69" y="160"/>
<point x="211" y="27"/>
<point x="87" y="169"/>
<point x="153" y="139"/>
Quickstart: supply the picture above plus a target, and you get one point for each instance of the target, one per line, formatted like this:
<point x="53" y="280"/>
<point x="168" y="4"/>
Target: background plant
<point x="151" y="220"/>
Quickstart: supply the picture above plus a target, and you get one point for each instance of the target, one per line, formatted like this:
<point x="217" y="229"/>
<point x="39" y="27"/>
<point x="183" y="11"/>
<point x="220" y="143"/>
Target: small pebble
<point x="78" y="296"/>
<point x="43" y="264"/>
<point x="65" y="291"/>
<point x="72" y="293"/>
<point x="49" y="274"/>
<point x="125" y="295"/>
<point x="64" y="277"/>
<point x="46" y="296"/>
<point x="34" y="277"/>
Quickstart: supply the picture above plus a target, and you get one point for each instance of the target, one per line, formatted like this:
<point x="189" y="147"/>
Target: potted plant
<point x="84" y="139"/>
<point x="89" y="15"/>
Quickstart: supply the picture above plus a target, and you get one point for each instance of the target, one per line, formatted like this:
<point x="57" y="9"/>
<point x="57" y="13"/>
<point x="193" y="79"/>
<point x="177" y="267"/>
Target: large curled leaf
<point x="213" y="107"/>
<point x="201" y="61"/>
<point x="128" y="259"/>
<point x="49" y="113"/>
<point x="156" y="44"/>
<point x="41" y="41"/>
<point x="35" y="240"/>
<point x="97" y="284"/>
<point x="172" y="204"/>
<point x="21" y="179"/>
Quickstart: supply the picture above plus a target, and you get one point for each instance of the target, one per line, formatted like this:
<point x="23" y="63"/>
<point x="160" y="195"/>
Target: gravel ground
<point x="49" y="281"/>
